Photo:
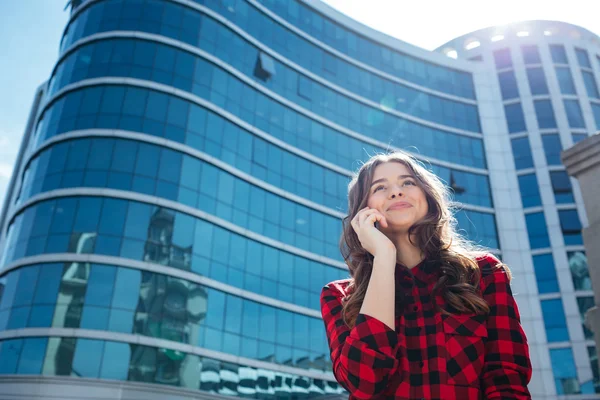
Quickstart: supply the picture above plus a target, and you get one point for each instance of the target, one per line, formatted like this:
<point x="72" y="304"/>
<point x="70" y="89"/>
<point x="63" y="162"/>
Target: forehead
<point x="390" y="170"/>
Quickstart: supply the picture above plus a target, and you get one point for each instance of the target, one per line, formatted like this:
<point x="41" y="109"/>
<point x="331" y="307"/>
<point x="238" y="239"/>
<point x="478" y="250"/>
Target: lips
<point x="400" y="205"/>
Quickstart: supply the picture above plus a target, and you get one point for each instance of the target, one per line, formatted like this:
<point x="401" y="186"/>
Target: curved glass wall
<point x="214" y="37"/>
<point x="90" y="358"/>
<point x="342" y="39"/>
<point x="238" y="148"/>
<point x="166" y="20"/>
<point x="164" y="115"/>
<point x="168" y="65"/>
<point x="145" y="232"/>
<point x="117" y="299"/>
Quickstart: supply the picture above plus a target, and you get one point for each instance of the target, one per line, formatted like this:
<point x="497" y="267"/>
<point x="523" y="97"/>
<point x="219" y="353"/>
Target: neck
<point x="406" y="253"/>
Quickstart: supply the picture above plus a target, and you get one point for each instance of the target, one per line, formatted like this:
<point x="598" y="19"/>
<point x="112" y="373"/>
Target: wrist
<point x="386" y="255"/>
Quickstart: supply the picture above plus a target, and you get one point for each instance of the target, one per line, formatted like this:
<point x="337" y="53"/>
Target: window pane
<point x="565" y="80"/>
<point x="584" y="304"/>
<point x="522" y="153"/>
<point x="565" y="373"/>
<point x="545" y="273"/>
<point x="537" y="231"/>
<point x="544" y="114"/>
<point x="86" y="361"/>
<point x="558" y="53"/>
<point x="561" y="184"/>
<point x="530" y="193"/>
<point x="10" y="350"/>
<point x="508" y="85"/>
<point x="115" y="362"/>
<point x="574" y="114"/>
<point x="26" y="286"/>
<point x="537" y="81"/>
<point x="100" y="286"/>
<point x="552" y="149"/>
<point x="32" y="356"/>
<point x="590" y="84"/>
<point x="515" y="118"/>
<point x="46" y="292"/>
<point x="571" y="227"/>
<point x="582" y="58"/>
<point x="554" y="320"/>
<point x="127" y="288"/>
<point x="579" y="270"/>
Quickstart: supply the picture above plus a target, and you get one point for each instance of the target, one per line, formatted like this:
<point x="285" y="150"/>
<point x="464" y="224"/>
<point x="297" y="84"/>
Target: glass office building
<point x="178" y="195"/>
<point x="547" y="74"/>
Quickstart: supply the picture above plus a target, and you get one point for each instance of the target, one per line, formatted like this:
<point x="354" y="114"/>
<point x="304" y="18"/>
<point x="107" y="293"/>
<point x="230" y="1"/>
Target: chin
<point x="399" y="226"/>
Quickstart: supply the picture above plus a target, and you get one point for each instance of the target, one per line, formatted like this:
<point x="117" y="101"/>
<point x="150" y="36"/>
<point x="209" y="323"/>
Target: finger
<point x="366" y="214"/>
<point x="355" y="219"/>
<point x="359" y="216"/>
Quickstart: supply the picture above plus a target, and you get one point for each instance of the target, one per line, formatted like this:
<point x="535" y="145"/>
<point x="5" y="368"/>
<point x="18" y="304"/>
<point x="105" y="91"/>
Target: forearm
<point x="379" y="301"/>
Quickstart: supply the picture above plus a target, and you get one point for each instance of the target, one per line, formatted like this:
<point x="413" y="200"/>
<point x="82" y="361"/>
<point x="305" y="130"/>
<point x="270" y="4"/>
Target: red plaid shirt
<point x="431" y="355"/>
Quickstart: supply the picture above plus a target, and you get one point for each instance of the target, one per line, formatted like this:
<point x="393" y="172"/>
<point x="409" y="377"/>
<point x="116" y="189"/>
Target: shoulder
<point x="331" y="297"/>
<point x="337" y="288"/>
<point x="493" y="271"/>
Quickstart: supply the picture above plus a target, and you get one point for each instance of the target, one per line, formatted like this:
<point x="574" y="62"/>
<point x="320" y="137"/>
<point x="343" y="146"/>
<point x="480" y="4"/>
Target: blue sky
<point x="30" y="32"/>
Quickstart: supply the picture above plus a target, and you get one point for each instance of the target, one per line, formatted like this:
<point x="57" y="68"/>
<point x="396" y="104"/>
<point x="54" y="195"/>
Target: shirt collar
<point x="426" y="271"/>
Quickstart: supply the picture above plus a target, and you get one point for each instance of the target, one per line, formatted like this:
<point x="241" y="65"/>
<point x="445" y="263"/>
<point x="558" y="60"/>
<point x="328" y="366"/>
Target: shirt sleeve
<point x="507" y="366"/>
<point x="364" y="357"/>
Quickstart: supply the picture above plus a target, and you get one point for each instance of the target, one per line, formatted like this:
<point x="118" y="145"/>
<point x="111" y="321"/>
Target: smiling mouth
<point x="399" y="206"/>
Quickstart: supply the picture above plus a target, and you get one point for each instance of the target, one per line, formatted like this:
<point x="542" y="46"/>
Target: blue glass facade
<point x="184" y="184"/>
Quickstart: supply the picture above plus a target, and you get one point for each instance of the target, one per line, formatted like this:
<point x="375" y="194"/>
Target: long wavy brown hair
<point x="435" y="234"/>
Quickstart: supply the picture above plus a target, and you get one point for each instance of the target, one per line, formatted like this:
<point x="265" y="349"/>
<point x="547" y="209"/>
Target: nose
<point x="395" y="191"/>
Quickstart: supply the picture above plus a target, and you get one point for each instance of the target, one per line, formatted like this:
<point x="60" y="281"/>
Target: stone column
<point x="583" y="162"/>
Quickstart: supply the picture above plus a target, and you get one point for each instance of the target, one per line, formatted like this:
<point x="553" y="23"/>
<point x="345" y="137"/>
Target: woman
<point x="424" y="315"/>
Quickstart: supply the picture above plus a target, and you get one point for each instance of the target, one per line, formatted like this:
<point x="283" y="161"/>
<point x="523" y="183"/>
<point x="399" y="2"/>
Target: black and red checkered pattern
<point x="431" y="355"/>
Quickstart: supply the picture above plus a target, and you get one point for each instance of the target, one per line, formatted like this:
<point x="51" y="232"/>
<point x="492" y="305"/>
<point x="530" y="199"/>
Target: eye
<point x="378" y="187"/>
<point x="409" y="183"/>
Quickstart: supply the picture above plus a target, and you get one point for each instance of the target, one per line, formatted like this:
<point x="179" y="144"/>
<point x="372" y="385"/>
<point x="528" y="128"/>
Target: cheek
<point x="373" y="202"/>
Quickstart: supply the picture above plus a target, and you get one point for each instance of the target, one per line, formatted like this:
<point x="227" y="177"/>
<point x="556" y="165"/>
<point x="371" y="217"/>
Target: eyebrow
<point x="384" y="179"/>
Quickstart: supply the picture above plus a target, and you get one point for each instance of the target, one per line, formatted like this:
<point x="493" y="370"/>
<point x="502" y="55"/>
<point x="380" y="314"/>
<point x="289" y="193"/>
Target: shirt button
<point x="421" y="364"/>
<point x="416" y="308"/>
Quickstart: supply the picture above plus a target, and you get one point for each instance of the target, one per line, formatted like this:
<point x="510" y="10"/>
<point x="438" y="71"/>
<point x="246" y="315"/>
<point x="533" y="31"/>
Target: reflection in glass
<point x="565" y="373"/>
<point x="579" y="270"/>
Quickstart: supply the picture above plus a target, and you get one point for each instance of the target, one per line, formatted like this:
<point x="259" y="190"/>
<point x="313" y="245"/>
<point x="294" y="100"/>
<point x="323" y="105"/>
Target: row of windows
<point x="561" y="186"/>
<point x="153" y="170"/>
<point x="215" y="38"/>
<point x="538" y="232"/>
<point x="545" y="272"/>
<point x="104" y="226"/>
<point x="204" y="79"/>
<point x="538" y="86"/>
<point x="162" y="115"/>
<point x="89" y="358"/>
<point x="138" y="231"/>
<point x="117" y="299"/>
<point x="361" y="48"/>
<point x="107" y="162"/>
<point x="147" y="60"/>
<point x="552" y="150"/>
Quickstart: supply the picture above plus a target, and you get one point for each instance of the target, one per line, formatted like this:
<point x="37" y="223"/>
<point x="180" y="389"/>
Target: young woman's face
<point x="395" y="193"/>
